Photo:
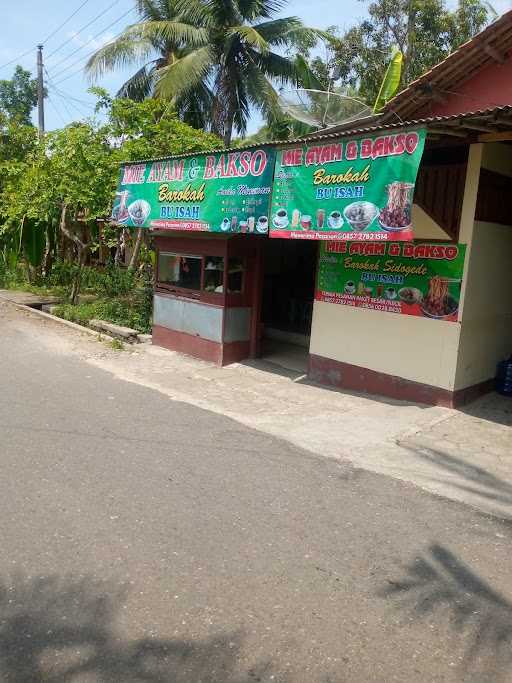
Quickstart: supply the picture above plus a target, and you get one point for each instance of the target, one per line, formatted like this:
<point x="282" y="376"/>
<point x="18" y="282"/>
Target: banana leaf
<point x="390" y="82"/>
<point x="34" y="242"/>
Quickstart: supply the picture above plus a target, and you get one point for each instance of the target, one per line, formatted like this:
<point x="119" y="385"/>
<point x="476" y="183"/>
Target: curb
<point x="68" y="323"/>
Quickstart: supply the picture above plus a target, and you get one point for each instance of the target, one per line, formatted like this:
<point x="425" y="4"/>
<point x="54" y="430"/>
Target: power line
<point x="80" y="108"/>
<point x="77" y="61"/>
<point x="66" y="99"/>
<point x="88" y="54"/>
<point x="91" y="40"/>
<point x="65" y="22"/>
<point x="57" y="111"/>
<point x="81" y="113"/>
<point x="98" y="16"/>
<point x="24" y="54"/>
<point x="65" y="103"/>
<point x="88" y="105"/>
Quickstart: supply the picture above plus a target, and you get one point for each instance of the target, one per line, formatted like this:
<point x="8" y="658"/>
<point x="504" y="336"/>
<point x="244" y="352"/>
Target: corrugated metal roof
<point x="493" y="118"/>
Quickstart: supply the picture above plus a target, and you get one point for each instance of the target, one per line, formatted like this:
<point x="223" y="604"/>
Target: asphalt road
<point x="147" y="540"/>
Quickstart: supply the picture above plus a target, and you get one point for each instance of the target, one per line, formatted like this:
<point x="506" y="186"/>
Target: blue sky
<point x="27" y="23"/>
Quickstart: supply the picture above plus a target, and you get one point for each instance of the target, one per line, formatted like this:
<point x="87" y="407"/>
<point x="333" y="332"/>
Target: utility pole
<point x="40" y="90"/>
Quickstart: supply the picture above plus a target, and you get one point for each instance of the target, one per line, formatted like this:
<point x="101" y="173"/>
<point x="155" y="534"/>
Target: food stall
<point x="390" y="213"/>
<point x="382" y="246"/>
<point x="208" y="214"/>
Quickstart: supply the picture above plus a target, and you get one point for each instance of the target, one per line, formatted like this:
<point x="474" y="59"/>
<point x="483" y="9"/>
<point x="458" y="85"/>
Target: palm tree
<point x="214" y="59"/>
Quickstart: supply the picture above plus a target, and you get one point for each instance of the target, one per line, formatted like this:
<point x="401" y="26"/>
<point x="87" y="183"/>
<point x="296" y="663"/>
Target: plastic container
<point x="504" y="377"/>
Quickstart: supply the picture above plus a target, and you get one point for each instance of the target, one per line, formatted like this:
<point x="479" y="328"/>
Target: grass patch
<point x="58" y="292"/>
<point x="116" y="345"/>
<point x="128" y="311"/>
<point x="124" y="298"/>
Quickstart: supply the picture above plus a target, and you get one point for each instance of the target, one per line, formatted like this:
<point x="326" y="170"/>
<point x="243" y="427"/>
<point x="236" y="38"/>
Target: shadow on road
<point x="443" y="583"/>
<point x="61" y="630"/>
<point x="492" y="408"/>
<point x="468" y="477"/>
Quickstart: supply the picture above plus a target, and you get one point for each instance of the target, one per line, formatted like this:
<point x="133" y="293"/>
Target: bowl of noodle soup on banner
<point x="396" y="215"/>
<point x="439" y="303"/>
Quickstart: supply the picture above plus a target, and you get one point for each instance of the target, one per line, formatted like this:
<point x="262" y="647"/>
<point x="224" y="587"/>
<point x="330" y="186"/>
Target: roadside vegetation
<point x="55" y="202"/>
<point x="200" y="70"/>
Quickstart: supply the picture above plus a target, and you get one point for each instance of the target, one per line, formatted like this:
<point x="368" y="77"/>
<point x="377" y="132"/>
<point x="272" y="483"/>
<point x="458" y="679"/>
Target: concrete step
<point x="126" y="334"/>
<point x="27" y="298"/>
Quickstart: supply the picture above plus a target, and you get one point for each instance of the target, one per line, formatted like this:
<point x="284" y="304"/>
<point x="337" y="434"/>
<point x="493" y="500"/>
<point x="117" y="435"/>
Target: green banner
<point x="228" y="192"/>
<point x="360" y="189"/>
<point x="410" y="278"/>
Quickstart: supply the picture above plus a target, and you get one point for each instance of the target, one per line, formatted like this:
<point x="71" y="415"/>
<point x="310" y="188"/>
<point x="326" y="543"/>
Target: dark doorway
<point x="289" y="269"/>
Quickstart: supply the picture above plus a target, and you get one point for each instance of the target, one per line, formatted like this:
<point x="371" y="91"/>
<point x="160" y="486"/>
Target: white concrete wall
<point x="193" y="317"/>
<point x="417" y="349"/>
<point x="486" y="334"/>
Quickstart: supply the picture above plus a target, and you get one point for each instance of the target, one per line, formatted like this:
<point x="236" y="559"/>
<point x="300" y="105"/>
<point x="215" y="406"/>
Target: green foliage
<point x="76" y="168"/>
<point x="124" y="311"/>
<point x="151" y="128"/>
<point x="18" y="96"/>
<point x="425" y="31"/>
<point x="390" y="82"/>
<point x="17" y="140"/>
<point x="33" y="238"/>
<point x="109" y="281"/>
<point x="116" y="345"/>
<point x="80" y="164"/>
<point x="71" y="171"/>
<point x="215" y="61"/>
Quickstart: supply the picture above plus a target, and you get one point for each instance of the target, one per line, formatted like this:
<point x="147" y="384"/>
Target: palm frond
<point x="120" y="53"/>
<point x="305" y="76"/>
<point x="196" y="12"/>
<point x="261" y="92"/>
<point x="174" y="32"/>
<point x="185" y="73"/>
<point x="250" y="36"/>
<point x="275" y="66"/>
<point x="195" y="107"/>
<point x="139" y="86"/>
<point x="252" y="9"/>
<point x="224" y="12"/>
<point x="282" y="31"/>
<point x="150" y="10"/>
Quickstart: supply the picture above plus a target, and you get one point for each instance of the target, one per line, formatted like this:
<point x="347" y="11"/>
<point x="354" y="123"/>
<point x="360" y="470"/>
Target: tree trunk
<point x="82" y="248"/>
<point x="119" y="255"/>
<point x="228" y="129"/>
<point x="134" y="260"/>
<point x="28" y="271"/>
<point x="77" y="281"/>
<point x="408" y="49"/>
<point x="48" y="254"/>
<point x="228" y="121"/>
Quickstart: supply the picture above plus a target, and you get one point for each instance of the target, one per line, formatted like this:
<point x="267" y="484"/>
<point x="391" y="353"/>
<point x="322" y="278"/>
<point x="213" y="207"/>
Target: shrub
<point x="130" y="312"/>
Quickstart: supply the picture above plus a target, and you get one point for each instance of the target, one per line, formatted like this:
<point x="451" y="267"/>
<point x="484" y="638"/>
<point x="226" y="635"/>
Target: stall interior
<point x="289" y="270"/>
